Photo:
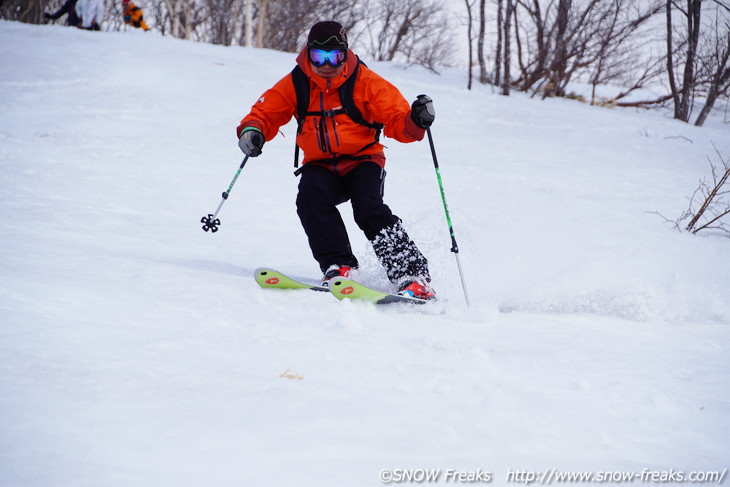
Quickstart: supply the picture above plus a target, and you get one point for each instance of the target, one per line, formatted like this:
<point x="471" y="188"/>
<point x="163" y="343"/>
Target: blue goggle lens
<point x="320" y="57"/>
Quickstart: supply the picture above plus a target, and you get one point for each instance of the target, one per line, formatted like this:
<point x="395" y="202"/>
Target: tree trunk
<point x="560" y="55"/>
<point x="173" y="11"/>
<point x="248" y="24"/>
<point x="498" y="56"/>
<point x="480" y="43"/>
<point x="670" y="61"/>
<point x="720" y="84"/>
<point x="261" y="23"/>
<point x="468" y="35"/>
<point x="507" y="81"/>
<point x="683" y="96"/>
<point x="693" y="35"/>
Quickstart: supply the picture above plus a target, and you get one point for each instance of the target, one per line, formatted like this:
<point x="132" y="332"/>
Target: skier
<point x="91" y="13"/>
<point x="132" y="15"/>
<point x="343" y="159"/>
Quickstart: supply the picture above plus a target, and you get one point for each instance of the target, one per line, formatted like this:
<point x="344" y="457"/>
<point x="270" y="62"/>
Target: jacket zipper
<point x="334" y="129"/>
<point x="325" y="131"/>
<point x="318" y="134"/>
<point x="334" y="122"/>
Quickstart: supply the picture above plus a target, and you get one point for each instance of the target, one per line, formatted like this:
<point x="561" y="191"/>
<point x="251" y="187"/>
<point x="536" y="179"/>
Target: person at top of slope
<point x="339" y="129"/>
<point x="69" y="8"/>
<point x="133" y="16"/>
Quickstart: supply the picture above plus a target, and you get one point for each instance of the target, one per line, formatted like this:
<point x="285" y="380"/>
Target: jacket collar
<point x="323" y="83"/>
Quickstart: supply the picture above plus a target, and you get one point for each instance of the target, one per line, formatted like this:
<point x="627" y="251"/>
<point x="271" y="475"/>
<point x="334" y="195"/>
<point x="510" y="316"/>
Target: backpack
<point x="301" y="87"/>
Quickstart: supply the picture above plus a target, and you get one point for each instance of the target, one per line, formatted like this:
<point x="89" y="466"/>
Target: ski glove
<point x="422" y="111"/>
<point x="251" y="142"/>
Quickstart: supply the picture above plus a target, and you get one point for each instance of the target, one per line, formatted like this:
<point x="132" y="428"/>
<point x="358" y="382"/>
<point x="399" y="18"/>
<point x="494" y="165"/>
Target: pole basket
<point x="209" y="223"/>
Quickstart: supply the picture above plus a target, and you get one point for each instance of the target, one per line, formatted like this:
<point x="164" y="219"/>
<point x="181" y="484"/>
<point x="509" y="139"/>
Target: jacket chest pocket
<point x="324" y="129"/>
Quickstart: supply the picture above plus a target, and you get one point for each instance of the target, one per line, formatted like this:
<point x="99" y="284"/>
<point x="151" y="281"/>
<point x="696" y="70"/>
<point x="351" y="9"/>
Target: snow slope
<point x="136" y="349"/>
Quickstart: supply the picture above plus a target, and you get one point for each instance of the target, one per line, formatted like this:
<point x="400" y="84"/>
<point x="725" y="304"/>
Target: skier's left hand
<point x="422" y="111"/>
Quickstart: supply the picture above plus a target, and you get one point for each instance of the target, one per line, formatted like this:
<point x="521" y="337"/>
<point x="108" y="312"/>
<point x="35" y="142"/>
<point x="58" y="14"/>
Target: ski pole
<point x="454" y="246"/>
<point x="211" y="221"/>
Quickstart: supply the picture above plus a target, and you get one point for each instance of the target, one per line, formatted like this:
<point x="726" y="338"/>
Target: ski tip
<point x="266" y="277"/>
<point x="270" y="278"/>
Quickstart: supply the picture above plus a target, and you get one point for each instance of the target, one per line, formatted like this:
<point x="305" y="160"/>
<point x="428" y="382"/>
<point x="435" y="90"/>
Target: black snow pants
<point x="321" y="190"/>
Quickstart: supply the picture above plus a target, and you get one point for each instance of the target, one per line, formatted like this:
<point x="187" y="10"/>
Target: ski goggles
<point x="333" y="57"/>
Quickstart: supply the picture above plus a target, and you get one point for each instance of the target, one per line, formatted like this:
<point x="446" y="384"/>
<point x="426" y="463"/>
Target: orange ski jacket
<point x="133" y="15"/>
<point x="336" y="141"/>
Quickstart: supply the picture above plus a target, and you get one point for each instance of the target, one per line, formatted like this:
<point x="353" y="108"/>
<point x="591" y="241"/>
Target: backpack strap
<point x="348" y="102"/>
<point x="301" y="88"/>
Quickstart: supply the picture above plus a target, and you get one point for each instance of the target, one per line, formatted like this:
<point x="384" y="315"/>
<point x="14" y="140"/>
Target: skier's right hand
<point x="251" y="142"/>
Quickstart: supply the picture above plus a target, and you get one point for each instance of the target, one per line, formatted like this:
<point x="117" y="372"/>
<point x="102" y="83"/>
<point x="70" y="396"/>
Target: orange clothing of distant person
<point x="323" y="138"/>
<point x="133" y="15"/>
